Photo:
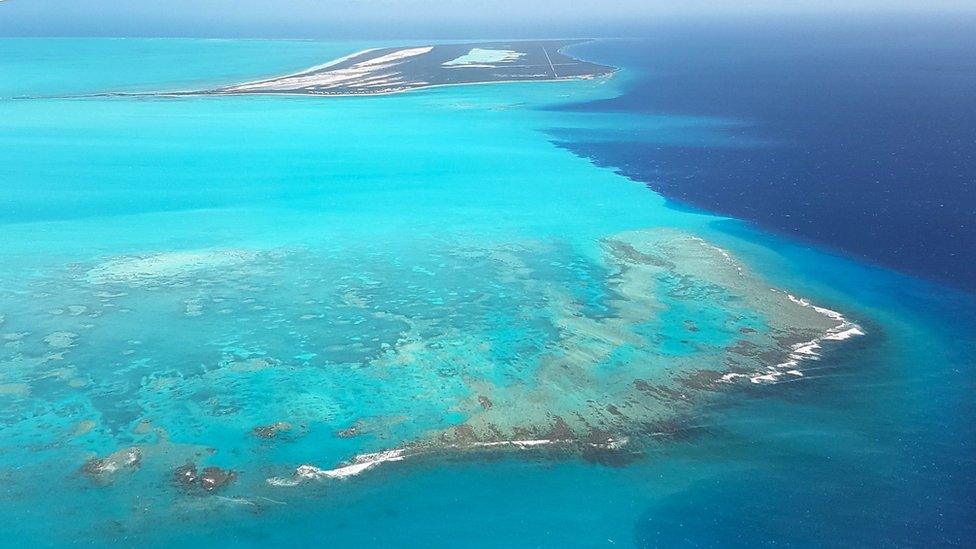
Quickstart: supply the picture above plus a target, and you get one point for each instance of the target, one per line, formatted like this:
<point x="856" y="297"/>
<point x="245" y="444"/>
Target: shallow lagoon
<point x="178" y="273"/>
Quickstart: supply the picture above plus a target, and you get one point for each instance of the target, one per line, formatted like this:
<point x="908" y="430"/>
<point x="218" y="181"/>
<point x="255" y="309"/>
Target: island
<point x="397" y="69"/>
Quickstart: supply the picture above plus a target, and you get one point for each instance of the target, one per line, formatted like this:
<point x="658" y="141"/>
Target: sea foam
<point x="804" y="350"/>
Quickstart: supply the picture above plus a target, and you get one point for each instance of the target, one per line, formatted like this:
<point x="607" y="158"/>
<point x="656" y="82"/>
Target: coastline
<point x="409" y="83"/>
<point x="607" y="72"/>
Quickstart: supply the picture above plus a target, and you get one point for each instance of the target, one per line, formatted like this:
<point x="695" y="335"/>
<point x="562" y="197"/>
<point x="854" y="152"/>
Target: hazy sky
<point x="403" y="18"/>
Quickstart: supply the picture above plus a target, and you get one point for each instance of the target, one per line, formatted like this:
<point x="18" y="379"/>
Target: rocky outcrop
<point x="208" y="479"/>
<point x="271" y="431"/>
<point x="103" y="470"/>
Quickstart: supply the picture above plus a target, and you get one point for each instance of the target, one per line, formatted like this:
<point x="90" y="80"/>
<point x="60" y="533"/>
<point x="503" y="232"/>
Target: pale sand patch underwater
<point x="161" y="265"/>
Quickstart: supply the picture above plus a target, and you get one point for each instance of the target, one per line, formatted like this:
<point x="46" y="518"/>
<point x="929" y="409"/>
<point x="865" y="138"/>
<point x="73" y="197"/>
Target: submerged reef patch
<point x="208" y="479"/>
<point x="387" y="355"/>
<point x="104" y="469"/>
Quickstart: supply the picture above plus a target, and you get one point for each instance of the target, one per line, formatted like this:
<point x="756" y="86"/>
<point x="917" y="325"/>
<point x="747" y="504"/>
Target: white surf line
<point x="356" y="466"/>
<point x="550" y="62"/>
<point x="805" y="350"/>
<point x="725" y="254"/>
<point x="364" y="462"/>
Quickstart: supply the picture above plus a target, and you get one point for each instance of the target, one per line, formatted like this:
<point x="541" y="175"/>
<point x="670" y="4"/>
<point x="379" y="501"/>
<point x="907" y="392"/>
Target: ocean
<point x="534" y="307"/>
<point x="854" y="134"/>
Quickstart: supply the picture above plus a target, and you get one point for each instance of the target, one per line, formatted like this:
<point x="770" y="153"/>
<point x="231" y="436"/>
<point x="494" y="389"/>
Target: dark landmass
<point x="391" y="70"/>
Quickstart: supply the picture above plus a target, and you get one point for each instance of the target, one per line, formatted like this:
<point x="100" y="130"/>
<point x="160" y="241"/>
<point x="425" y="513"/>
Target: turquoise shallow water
<point x="177" y="272"/>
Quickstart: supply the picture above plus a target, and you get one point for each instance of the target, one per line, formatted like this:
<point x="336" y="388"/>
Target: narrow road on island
<point x="551" y="66"/>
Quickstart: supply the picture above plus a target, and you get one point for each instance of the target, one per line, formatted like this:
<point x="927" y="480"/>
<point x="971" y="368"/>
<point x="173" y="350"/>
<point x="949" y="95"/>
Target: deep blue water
<point x="856" y="134"/>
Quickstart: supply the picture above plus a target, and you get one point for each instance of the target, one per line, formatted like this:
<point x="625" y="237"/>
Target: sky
<point x="407" y="18"/>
